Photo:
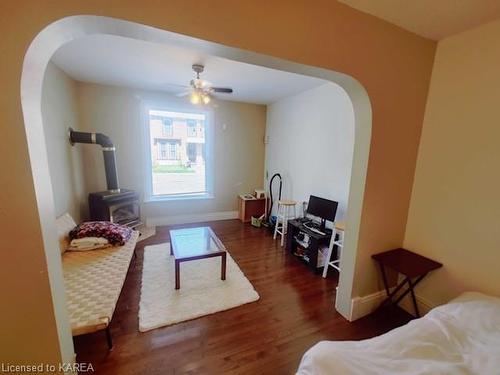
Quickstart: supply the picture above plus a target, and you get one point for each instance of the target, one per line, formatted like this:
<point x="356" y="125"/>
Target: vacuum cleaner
<point x="266" y="220"/>
<point x="271" y="220"/>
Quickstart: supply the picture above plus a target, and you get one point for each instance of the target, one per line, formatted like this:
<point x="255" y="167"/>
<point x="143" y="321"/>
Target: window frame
<point x="148" y="106"/>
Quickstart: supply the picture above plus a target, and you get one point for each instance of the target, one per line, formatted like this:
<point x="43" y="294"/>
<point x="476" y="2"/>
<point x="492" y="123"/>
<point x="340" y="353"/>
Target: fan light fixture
<point x="194" y="97"/>
<point x="199" y="96"/>
<point x="201" y="91"/>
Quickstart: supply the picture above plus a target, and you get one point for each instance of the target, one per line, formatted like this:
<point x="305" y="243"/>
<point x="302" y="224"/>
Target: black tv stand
<point x="317" y="241"/>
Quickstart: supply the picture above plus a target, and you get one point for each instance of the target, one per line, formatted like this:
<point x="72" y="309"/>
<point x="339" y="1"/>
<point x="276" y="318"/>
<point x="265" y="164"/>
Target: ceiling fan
<point x="201" y="91"/>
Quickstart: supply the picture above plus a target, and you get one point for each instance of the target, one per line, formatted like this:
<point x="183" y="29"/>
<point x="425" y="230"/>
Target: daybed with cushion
<point x="93" y="281"/>
<point x="461" y="337"/>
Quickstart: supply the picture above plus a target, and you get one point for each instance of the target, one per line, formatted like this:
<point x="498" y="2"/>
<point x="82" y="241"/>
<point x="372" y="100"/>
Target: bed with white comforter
<point x="461" y="337"/>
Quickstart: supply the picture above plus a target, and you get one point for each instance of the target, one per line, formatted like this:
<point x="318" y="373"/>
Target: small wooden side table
<point x="250" y="207"/>
<point x="413" y="266"/>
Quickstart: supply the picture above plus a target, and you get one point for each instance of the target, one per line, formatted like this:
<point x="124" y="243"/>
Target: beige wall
<point x="59" y="111"/>
<point x="455" y="210"/>
<point x="238" y="146"/>
<point x="393" y="65"/>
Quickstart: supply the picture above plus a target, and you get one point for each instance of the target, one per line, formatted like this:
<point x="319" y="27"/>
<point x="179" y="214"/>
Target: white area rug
<point x="146" y="232"/>
<point x="202" y="291"/>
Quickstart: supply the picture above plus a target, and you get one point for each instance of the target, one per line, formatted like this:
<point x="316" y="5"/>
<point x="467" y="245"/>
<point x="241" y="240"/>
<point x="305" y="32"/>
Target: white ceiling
<point x="119" y="61"/>
<point x="433" y="19"/>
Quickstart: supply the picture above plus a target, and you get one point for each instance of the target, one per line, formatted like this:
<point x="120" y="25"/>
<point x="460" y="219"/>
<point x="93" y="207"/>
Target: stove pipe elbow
<point x="108" y="152"/>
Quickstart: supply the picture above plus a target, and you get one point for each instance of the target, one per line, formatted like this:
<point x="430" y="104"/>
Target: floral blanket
<point x="116" y="234"/>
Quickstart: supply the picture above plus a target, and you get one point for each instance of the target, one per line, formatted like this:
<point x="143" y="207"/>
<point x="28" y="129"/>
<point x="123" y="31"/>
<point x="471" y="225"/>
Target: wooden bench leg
<point x="109" y="338"/>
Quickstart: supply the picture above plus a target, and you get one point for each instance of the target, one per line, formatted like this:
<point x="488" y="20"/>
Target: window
<point x="162" y="150"/>
<point x="167" y="127"/>
<point x="163" y="126"/>
<point x="191" y="128"/>
<point x="180" y="166"/>
<point x="167" y="150"/>
<point x="172" y="151"/>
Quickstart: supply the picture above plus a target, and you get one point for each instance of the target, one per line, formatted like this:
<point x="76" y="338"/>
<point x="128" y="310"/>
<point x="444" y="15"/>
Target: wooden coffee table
<point x="193" y="244"/>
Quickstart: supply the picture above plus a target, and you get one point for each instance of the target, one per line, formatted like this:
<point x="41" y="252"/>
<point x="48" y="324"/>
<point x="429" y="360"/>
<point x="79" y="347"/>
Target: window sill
<point x="183" y="197"/>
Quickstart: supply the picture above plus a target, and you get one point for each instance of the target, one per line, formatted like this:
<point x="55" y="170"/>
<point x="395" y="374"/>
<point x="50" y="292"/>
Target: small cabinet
<point x="250" y="207"/>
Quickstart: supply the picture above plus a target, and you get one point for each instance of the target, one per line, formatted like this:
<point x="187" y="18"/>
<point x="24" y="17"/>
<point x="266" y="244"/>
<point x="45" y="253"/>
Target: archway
<point x="67" y="29"/>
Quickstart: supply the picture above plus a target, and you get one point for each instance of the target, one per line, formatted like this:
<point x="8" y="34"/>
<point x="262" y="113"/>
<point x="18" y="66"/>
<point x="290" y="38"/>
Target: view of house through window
<point x="178" y="150"/>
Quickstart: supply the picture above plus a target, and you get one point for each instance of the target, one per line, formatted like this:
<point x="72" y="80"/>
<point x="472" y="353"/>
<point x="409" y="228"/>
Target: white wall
<point x="454" y="215"/>
<point x="238" y="147"/>
<point x="59" y="112"/>
<point x="310" y="143"/>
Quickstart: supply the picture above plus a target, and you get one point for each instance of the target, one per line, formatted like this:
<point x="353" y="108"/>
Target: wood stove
<point x="121" y="208"/>
<point x="117" y="205"/>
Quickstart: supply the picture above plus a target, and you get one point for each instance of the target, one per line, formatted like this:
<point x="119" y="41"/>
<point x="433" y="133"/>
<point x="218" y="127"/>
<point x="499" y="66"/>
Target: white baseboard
<point x="362" y="306"/>
<point x="191" y="218"/>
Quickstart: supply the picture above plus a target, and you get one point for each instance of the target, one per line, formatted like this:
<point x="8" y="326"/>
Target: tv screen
<point x="323" y="208"/>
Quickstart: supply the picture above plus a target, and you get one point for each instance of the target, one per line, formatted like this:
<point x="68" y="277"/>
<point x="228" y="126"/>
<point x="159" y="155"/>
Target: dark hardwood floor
<point x="295" y="310"/>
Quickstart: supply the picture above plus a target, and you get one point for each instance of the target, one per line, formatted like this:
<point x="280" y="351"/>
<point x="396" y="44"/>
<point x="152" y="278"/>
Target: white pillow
<point x="88" y="243"/>
<point x="64" y="224"/>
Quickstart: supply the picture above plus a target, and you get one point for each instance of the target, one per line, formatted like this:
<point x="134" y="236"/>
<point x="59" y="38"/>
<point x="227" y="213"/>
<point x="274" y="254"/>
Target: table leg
<point x="177" y="274"/>
<point x="384" y="279"/>
<point x="408" y="290"/>
<point x="392" y="294"/>
<point x="411" y="287"/>
<point x="413" y="298"/>
<point x="223" y="267"/>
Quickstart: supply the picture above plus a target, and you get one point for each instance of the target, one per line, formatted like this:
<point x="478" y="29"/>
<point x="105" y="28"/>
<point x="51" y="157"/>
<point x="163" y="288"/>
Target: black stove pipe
<point x="108" y="152"/>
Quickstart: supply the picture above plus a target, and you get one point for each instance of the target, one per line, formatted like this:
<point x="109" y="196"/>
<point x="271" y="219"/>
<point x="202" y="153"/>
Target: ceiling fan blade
<point x="167" y="84"/>
<point x="222" y="90"/>
<point x="182" y="94"/>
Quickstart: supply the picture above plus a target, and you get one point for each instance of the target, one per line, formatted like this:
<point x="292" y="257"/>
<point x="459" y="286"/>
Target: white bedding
<point x="461" y="337"/>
